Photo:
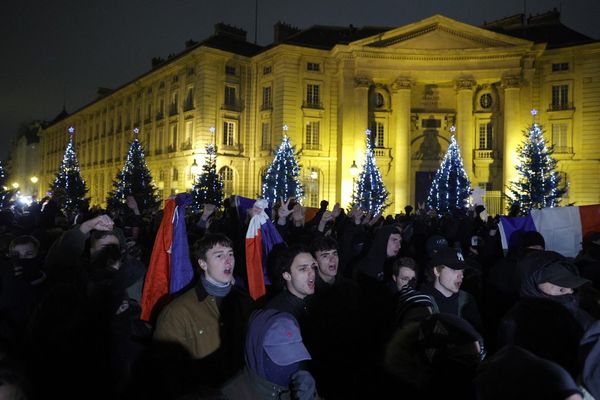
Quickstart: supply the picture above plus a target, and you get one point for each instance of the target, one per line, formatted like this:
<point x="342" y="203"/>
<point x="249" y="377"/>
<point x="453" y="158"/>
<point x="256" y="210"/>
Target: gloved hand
<point x="303" y="386"/>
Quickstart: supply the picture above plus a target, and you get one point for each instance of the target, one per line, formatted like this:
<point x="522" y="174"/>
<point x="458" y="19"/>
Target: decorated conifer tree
<point x="450" y="188"/>
<point x="68" y="188"/>
<point x="135" y="180"/>
<point x="5" y="193"/>
<point x="370" y="193"/>
<point x="208" y="187"/>
<point x="282" y="179"/>
<point x="538" y="184"/>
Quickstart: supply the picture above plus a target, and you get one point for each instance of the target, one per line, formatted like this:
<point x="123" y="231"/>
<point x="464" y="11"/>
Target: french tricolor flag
<point x="563" y="228"/>
<point x="261" y="237"/>
<point x="170" y="268"/>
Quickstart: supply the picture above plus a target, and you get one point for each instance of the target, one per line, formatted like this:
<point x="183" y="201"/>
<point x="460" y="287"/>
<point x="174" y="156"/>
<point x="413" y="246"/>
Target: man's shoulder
<point x="186" y="299"/>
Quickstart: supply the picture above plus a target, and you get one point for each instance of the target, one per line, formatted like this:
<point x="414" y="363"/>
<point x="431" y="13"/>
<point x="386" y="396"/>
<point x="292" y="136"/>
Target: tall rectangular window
<point x="229" y="99"/>
<point x="228" y="133"/>
<point x="267" y="99"/>
<point x="160" y="141"/>
<point x="173" y="138"/>
<point x="560" y="138"/>
<point x="161" y="108"/>
<point x="560" y="97"/>
<point x="379" y="134"/>
<point x="189" y="129"/>
<point x="265" y="142"/>
<point x="486" y="132"/>
<point x="189" y="98"/>
<point x="313" y="97"/>
<point x="312" y="135"/>
<point x="174" y="103"/>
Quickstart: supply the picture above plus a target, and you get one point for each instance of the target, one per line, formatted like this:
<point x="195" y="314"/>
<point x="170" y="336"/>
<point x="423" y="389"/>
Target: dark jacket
<point x="335" y="328"/>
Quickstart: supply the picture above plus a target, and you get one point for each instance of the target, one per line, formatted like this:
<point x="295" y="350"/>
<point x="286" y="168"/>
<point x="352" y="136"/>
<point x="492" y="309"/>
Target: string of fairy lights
<point x="370" y="194"/>
<point x="135" y="178"/>
<point x="208" y="186"/>
<point x="68" y="179"/>
<point x="282" y="178"/>
<point x="451" y="187"/>
<point x="538" y="184"/>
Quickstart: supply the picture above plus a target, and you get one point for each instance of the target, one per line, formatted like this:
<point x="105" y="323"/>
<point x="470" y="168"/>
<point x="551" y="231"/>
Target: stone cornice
<point x="402" y="83"/>
<point x="465" y="84"/>
<point x="486" y="42"/>
<point x="512" y="81"/>
<point x="433" y="56"/>
<point x="362" y="82"/>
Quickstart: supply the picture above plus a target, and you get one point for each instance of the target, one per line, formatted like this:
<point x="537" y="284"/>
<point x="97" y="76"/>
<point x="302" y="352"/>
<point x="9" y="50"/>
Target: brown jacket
<point x="201" y="322"/>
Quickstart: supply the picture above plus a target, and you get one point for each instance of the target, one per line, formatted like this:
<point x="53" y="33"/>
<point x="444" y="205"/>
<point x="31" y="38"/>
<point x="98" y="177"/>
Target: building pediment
<point x="440" y="33"/>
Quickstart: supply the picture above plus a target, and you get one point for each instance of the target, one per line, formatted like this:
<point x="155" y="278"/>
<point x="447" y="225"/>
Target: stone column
<point x="355" y="100"/>
<point x="400" y="141"/>
<point x="464" y="130"/>
<point x="512" y="130"/>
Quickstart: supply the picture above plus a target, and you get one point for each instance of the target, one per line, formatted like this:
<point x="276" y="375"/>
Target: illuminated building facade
<point x="409" y="85"/>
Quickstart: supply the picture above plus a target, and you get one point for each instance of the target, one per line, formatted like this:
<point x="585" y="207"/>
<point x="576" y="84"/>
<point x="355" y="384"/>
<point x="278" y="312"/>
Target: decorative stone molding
<point x="402" y="83"/>
<point x="465" y="84"/>
<point x="362" y="82"/>
<point x="512" y="81"/>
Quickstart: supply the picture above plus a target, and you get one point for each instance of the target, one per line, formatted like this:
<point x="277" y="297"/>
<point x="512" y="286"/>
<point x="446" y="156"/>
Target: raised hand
<point x="298" y="214"/>
<point x="336" y="210"/>
<point x="100" y="223"/>
<point x="132" y="204"/>
<point x="284" y="211"/>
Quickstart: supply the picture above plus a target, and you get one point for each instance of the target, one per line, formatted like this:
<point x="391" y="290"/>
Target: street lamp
<point x="34" y="179"/>
<point x="354" y="173"/>
<point x="15" y="185"/>
<point x="195" y="169"/>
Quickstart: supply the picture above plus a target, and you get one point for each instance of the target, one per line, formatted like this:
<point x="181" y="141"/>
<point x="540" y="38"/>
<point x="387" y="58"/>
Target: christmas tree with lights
<point x="5" y="193"/>
<point x="450" y="188"/>
<point x="208" y="187"/>
<point x="135" y="180"/>
<point x="68" y="188"/>
<point x="282" y="179"/>
<point x="538" y="184"/>
<point x="370" y="193"/>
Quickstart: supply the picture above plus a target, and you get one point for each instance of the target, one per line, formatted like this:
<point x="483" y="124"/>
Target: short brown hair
<point x="407" y="262"/>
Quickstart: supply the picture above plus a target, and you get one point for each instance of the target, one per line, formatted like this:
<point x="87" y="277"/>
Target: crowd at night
<point x="352" y="306"/>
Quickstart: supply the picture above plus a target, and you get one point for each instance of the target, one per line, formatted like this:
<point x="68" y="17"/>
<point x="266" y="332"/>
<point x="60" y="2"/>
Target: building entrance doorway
<point x="423" y="181"/>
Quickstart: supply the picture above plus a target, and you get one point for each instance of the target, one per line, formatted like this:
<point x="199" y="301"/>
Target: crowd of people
<point x="357" y="306"/>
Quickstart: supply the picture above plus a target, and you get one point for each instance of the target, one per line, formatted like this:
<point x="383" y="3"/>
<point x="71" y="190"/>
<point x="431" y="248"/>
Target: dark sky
<point x="72" y="47"/>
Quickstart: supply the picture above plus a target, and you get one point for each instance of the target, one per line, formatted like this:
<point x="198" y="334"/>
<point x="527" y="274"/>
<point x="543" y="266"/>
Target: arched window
<point x="226" y="174"/>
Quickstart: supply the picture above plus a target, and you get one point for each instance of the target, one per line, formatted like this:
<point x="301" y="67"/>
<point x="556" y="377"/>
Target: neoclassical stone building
<point x="409" y="85"/>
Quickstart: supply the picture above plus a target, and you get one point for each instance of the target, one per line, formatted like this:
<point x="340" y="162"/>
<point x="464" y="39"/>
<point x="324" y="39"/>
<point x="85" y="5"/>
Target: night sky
<point x="66" y="49"/>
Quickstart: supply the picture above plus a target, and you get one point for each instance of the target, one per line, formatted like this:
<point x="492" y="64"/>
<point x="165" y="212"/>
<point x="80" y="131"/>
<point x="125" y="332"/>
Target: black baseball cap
<point x="449" y="257"/>
<point x="558" y="273"/>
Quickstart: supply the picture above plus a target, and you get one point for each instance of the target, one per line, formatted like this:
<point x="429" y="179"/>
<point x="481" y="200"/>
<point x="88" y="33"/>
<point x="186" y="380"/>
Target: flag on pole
<point x="170" y="268"/>
<point x="261" y="237"/>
